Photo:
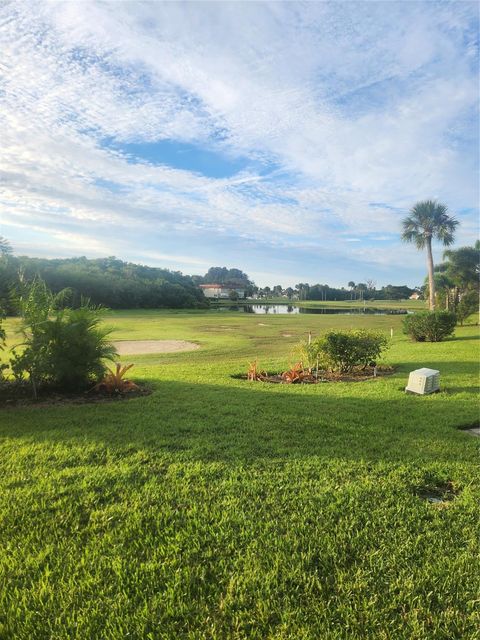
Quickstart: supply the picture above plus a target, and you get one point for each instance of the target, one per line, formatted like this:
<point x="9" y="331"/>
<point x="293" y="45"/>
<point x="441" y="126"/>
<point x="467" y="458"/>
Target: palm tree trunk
<point x="431" y="281"/>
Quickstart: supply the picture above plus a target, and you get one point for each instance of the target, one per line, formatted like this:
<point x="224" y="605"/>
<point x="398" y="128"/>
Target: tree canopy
<point x="223" y="275"/>
<point x="107" y="281"/>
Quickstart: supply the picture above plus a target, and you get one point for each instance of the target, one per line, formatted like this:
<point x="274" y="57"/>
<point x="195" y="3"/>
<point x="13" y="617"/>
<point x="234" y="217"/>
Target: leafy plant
<point x="115" y="382"/>
<point x="342" y="351"/>
<point x="296" y="374"/>
<point x="62" y="347"/>
<point x="254" y="373"/>
<point x="430" y="326"/>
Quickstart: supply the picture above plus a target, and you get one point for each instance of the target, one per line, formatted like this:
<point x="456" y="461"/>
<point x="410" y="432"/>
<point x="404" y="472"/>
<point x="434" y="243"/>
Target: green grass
<point x="220" y="509"/>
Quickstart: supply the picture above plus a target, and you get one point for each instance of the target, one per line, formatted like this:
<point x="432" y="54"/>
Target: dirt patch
<point x="438" y="494"/>
<point x="138" y="347"/>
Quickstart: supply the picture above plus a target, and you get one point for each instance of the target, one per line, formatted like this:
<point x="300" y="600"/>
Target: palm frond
<point x="429" y="219"/>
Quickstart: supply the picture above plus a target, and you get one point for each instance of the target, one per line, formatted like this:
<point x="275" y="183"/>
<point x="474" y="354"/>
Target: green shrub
<point x="430" y="326"/>
<point x="342" y="351"/>
<point x="62" y="347"/>
<point x="467" y="305"/>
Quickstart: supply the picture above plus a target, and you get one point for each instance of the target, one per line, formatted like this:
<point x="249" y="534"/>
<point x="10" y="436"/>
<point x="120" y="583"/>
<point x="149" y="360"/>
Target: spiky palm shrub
<point x="429" y="220"/>
<point x="77" y="347"/>
<point x="62" y="347"/>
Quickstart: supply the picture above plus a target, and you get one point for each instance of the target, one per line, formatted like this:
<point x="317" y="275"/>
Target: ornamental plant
<point x="62" y="347"/>
<point x="429" y="326"/>
<point x="343" y="351"/>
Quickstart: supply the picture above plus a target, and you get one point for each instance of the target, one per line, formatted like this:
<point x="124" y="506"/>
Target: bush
<point x="62" y="347"/>
<point x="430" y="326"/>
<point x="467" y="305"/>
<point x="342" y="351"/>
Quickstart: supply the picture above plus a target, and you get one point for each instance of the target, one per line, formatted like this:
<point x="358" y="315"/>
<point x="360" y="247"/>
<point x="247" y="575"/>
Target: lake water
<point x="273" y="309"/>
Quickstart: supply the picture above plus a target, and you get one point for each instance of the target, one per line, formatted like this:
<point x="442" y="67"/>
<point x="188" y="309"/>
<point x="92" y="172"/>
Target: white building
<point x="221" y="291"/>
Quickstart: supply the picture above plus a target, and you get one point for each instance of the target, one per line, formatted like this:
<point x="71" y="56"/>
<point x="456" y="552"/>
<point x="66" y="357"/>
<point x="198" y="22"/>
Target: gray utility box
<point x="423" y="381"/>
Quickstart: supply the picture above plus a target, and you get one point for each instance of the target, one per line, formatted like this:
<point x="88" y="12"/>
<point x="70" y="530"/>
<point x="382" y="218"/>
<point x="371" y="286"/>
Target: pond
<point x="273" y="309"/>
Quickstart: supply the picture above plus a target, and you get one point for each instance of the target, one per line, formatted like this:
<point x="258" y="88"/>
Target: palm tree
<point x="351" y="286"/>
<point x="426" y="221"/>
<point x="5" y="247"/>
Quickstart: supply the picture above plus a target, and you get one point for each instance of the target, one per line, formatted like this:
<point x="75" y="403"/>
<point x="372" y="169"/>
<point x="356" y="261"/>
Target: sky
<point x="284" y="139"/>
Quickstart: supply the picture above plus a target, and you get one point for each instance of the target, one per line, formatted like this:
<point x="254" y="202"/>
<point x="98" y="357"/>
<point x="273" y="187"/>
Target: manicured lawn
<point x="220" y="509"/>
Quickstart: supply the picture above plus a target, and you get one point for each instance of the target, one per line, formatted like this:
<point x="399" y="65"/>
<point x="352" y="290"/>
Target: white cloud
<point x="351" y="103"/>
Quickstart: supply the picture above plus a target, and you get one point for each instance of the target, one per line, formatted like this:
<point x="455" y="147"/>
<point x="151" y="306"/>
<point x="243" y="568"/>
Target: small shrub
<point x="467" y="305"/>
<point x="297" y="374"/>
<point x="430" y="326"/>
<point x="342" y="351"/>
<point x="254" y="372"/>
<point x="115" y="381"/>
<point x="62" y="347"/>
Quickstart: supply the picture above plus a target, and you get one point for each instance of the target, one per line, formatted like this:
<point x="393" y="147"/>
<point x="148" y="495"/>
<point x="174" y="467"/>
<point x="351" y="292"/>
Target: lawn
<point x="220" y="509"/>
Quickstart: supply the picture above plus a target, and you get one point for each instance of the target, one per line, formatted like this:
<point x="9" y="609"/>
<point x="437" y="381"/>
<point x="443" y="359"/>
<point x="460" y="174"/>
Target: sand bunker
<point x="130" y="347"/>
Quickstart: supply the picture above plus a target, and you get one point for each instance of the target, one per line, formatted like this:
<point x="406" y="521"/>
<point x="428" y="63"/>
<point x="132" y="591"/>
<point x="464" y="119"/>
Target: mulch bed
<point x="14" y="395"/>
<point x="359" y="375"/>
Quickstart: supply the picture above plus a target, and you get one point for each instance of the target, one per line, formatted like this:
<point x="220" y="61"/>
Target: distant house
<point x="221" y="291"/>
<point x="415" y="296"/>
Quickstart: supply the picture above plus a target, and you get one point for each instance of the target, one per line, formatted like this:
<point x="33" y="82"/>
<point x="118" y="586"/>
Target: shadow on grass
<point x="188" y="421"/>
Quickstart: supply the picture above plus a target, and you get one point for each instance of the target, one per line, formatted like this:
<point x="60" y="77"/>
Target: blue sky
<point x="285" y="139"/>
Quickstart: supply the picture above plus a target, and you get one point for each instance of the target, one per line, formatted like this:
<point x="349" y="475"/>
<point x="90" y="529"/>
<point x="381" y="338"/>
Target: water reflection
<point x="263" y="309"/>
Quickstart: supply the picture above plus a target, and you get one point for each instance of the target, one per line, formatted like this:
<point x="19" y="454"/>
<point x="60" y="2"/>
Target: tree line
<point x="324" y="292"/>
<point x="105" y="281"/>
<point x="452" y="284"/>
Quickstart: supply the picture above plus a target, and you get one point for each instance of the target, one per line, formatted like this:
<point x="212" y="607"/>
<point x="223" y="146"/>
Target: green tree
<point x="5" y="247"/>
<point x="463" y="270"/>
<point x="467" y="306"/>
<point x="303" y="289"/>
<point x="361" y="288"/>
<point x="277" y="290"/>
<point x="351" y="286"/>
<point x="445" y="297"/>
<point x="429" y="220"/>
<point x="463" y="266"/>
